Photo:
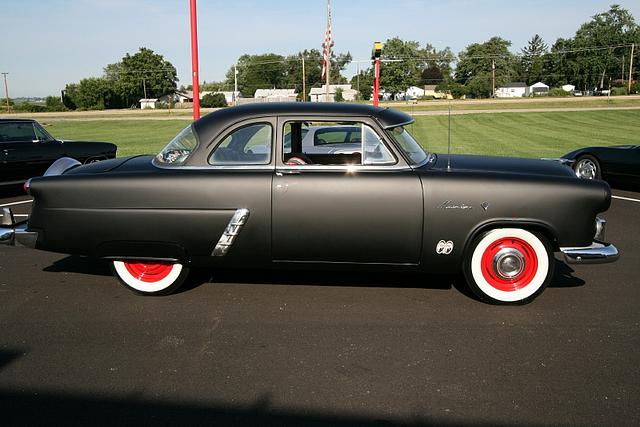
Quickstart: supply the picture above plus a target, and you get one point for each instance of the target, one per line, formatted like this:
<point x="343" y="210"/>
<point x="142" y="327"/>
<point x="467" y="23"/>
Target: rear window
<point x="179" y="149"/>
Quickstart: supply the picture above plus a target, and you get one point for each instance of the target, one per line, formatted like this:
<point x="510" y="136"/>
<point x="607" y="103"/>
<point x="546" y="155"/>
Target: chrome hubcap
<point x="586" y="169"/>
<point x="508" y="263"/>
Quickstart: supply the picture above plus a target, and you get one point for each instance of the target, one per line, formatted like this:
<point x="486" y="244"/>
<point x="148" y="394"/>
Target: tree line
<point x="597" y="56"/>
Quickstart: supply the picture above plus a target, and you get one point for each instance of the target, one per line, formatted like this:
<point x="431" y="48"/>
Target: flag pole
<point x="328" y="41"/>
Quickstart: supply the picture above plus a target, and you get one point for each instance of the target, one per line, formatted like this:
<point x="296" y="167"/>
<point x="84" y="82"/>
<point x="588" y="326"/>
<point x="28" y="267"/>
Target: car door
<point x="371" y="212"/>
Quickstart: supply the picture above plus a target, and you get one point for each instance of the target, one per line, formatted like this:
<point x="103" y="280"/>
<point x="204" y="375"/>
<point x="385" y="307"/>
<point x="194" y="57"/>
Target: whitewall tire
<point x="509" y="266"/>
<point x="148" y="277"/>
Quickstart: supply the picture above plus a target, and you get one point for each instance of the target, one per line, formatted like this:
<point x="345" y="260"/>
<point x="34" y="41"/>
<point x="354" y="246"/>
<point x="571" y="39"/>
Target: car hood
<point x="508" y="165"/>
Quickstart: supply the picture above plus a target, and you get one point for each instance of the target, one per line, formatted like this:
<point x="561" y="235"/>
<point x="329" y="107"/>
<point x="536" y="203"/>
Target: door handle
<point x="288" y="172"/>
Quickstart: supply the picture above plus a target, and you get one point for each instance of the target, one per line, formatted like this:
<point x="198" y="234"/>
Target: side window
<point x="249" y="145"/>
<point x="333" y="144"/>
<point x="374" y="152"/>
<point x="41" y="135"/>
<point x="17" y="132"/>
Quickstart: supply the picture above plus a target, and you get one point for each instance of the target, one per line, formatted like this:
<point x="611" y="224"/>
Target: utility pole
<point x="304" y="82"/>
<point x="493" y="78"/>
<point x="235" y="83"/>
<point x="328" y="49"/>
<point x="194" y="60"/>
<point x="630" y="68"/>
<point x="144" y="86"/>
<point x="6" y="92"/>
<point x="358" y="79"/>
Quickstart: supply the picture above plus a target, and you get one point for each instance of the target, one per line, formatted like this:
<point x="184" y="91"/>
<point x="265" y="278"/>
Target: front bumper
<point x="597" y="253"/>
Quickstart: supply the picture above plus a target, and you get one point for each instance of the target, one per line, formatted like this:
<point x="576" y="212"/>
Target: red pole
<point x="194" y="61"/>
<point x="376" y="82"/>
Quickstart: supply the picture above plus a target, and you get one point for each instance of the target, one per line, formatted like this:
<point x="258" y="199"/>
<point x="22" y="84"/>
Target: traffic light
<point x="377" y="50"/>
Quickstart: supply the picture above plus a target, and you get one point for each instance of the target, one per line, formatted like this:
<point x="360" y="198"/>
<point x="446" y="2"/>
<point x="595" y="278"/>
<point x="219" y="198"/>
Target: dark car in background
<point x="27" y="150"/>
<point x="616" y="164"/>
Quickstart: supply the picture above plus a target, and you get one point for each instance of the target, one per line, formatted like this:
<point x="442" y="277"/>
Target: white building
<point x="148" y="103"/>
<point x="568" y="88"/>
<point x="318" y="94"/>
<point x="537" y="89"/>
<point x="512" y="90"/>
<point x="276" y="95"/>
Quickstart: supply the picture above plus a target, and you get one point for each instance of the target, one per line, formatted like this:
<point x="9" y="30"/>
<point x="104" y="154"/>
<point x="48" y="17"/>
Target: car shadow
<point x="79" y="264"/>
<point x="39" y="407"/>
<point x="563" y="277"/>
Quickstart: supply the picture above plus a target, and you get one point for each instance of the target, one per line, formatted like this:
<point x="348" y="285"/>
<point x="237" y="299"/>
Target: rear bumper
<point x="18" y="235"/>
<point x="597" y="253"/>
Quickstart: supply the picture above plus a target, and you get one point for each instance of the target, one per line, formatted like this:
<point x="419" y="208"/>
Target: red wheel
<point x="509" y="265"/>
<point x="150" y="278"/>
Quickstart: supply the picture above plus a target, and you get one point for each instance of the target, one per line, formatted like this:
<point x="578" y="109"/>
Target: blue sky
<point x="45" y="44"/>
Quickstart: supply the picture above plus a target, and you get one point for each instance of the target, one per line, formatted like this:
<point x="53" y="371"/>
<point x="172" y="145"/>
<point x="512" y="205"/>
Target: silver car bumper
<point x="15" y="234"/>
<point x="597" y="253"/>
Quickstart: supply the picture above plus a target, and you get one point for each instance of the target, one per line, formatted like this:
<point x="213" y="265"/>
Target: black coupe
<point x="616" y="164"/>
<point x="27" y="150"/>
<point x="239" y="188"/>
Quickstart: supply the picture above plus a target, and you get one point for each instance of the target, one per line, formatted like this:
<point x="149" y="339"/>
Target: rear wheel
<point x="148" y="277"/>
<point x="509" y="266"/>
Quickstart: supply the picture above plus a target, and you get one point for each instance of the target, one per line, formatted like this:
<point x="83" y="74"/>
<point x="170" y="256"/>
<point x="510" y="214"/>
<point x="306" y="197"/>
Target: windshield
<point x="409" y="146"/>
<point x="179" y="149"/>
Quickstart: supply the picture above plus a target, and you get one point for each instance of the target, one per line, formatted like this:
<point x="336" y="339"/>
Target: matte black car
<point x="27" y="150"/>
<point x="618" y="163"/>
<point x="237" y="189"/>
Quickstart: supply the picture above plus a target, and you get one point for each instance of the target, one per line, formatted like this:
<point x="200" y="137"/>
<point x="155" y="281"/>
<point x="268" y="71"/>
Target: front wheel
<point x="150" y="278"/>
<point x="587" y="167"/>
<point x="509" y="266"/>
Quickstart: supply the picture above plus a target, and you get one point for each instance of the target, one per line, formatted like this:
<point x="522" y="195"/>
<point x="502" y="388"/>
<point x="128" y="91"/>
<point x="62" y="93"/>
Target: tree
<point x="258" y="71"/>
<point x="432" y="75"/>
<point x="396" y="77"/>
<point x="475" y="63"/>
<point x="143" y="74"/>
<point x="363" y="84"/>
<point x="533" y="60"/>
<point x="213" y="100"/>
<point x="338" y="97"/>
<point x="593" y="55"/>
<point x="92" y="93"/>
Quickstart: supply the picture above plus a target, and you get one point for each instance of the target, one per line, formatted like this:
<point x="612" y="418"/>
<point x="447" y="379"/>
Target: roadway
<point x="271" y="348"/>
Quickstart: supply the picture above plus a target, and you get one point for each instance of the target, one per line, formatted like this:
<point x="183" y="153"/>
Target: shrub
<point x="213" y="100"/>
<point x="635" y="87"/>
<point x="617" y="91"/>
<point x="338" y="96"/>
<point x="558" y="92"/>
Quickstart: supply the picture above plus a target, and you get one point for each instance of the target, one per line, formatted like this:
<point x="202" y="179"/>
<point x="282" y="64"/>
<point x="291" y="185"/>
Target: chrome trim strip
<point x="238" y="220"/>
<point x="345" y="168"/>
<point x="218" y="167"/>
<point x="597" y="253"/>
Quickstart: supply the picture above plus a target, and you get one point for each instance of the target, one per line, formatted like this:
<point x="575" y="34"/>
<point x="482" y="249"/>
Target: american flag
<point x="328" y="43"/>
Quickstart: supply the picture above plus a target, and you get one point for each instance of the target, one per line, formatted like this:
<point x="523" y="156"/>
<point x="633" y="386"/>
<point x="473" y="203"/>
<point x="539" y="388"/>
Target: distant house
<point x="512" y="90"/>
<point x="568" y="88"/>
<point x="276" y="95"/>
<point x="319" y="94"/>
<point x="537" y="89"/>
<point x="148" y="103"/>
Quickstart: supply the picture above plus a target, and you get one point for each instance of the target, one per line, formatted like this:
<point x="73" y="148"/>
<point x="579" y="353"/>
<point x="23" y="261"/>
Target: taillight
<point x="26" y="186"/>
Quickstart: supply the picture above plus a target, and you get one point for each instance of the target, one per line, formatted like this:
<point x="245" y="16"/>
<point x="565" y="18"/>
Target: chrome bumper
<point x="15" y="234"/>
<point x="597" y="253"/>
<point x="18" y="236"/>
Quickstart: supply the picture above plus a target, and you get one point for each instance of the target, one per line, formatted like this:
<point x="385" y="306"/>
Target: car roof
<point x="8" y="120"/>
<point x="211" y="124"/>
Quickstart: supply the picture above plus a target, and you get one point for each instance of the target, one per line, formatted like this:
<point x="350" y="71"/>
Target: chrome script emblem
<point x="450" y="204"/>
<point x="444" y="248"/>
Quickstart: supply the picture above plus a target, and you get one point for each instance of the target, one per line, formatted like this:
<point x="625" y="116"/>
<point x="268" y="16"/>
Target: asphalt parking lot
<point x="319" y="348"/>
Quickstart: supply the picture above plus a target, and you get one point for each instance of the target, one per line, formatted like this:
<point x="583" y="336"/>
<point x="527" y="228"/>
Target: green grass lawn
<point x="504" y="134"/>
<point x="528" y="134"/>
